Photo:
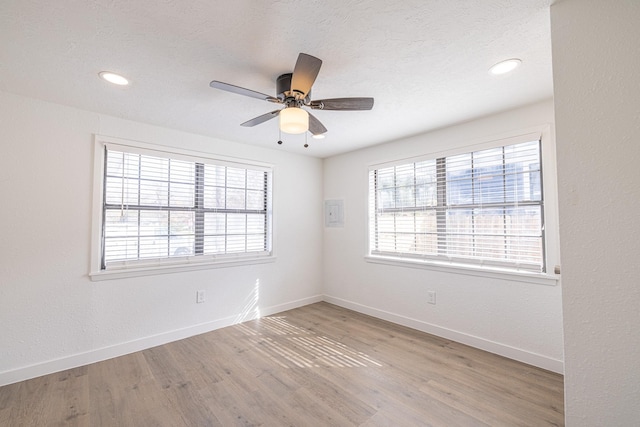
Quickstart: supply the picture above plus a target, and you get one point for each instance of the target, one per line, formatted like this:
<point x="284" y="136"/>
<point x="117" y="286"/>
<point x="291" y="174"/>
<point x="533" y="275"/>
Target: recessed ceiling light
<point x="114" y="78"/>
<point x="318" y="136"/>
<point x="505" y="66"/>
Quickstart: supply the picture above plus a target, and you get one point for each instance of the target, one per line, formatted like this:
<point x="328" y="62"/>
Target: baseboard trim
<point x="100" y="354"/>
<point x="520" y="355"/>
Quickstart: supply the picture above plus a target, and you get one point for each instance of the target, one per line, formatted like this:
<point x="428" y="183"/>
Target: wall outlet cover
<point x="431" y="297"/>
<point x="199" y="297"/>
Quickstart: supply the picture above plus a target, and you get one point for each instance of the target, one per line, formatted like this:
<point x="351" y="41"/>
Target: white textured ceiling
<point x="424" y="61"/>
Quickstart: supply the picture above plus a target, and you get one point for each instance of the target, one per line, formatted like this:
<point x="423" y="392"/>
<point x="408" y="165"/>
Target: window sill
<point x="156" y="269"/>
<point x="469" y="270"/>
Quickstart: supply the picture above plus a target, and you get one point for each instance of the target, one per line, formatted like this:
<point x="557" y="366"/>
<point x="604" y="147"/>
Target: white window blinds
<point x="482" y="207"/>
<point x="159" y="207"/>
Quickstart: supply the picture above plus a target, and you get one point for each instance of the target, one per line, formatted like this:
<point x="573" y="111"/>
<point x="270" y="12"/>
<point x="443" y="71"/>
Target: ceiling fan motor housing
<point x="284" y="93"/>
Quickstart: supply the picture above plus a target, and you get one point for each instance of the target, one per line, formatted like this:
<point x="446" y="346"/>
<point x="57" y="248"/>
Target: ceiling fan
<point x="293" y="90"/>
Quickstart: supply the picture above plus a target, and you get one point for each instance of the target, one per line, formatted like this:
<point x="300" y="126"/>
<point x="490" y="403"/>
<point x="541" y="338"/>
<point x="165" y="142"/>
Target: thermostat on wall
<point x="334" y="213"/>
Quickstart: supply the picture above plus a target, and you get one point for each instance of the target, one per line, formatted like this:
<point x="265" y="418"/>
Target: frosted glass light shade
<point x="294" y="120"/>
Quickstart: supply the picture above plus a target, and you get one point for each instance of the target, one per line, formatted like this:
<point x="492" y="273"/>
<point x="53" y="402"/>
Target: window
<point x="483" y="207"/>
<point x="160" y="208"/>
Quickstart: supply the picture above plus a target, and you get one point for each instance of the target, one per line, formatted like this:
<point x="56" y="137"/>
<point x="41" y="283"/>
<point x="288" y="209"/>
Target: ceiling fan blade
<point x="344" y="104"/>
<point x="242" y="91"/>
<point x="305" y="73"/>
<point x="261" y="119"/>
<point x="315" y="127"/>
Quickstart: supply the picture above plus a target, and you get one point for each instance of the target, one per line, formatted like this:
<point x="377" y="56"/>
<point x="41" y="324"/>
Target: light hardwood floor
<point x="318" y="365"/>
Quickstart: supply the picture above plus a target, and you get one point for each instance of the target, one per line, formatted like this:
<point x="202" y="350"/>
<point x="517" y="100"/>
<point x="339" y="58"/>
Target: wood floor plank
<point x="318" y="365"/>
<point x="124" y="393"/>
<point x="177" y="387"/>
<point x="28" y="409"/>
<point x="70" y="401"/>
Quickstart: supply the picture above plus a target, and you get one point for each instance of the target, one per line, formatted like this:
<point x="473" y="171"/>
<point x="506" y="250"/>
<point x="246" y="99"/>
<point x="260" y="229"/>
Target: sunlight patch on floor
<point x="291" y="346"/>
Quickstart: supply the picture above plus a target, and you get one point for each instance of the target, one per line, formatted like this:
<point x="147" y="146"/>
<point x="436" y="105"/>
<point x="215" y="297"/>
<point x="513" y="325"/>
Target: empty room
<point x="304" y="213"/>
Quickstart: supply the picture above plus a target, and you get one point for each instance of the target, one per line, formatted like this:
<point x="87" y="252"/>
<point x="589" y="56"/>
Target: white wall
<point x="596" y="62"/>
<point x="53" y="317"/>
<point x="516" y="319"/>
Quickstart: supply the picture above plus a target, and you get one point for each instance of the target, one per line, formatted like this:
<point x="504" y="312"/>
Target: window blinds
<point x="482" y="207"/>
<point x="157" y="207"/>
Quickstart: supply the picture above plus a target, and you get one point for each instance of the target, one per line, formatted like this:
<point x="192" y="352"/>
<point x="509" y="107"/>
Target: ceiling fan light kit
<point x="294" y="120"/>
<point x="293" y="90"/>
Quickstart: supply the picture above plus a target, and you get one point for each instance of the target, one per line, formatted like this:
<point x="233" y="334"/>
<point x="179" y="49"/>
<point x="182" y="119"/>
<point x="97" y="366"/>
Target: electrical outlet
<point x="431" y="297"/>
<point x="199" y="297"/>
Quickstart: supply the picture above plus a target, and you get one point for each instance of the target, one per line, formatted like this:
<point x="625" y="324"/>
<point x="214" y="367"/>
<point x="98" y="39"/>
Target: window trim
<point x="164" y="266"/>
<point x="468" y="269"/>
<point x="545" y="134"/>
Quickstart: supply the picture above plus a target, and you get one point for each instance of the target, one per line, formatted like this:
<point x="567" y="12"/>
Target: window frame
<point x="550" y="242"/>
<point x="134" y="268"/>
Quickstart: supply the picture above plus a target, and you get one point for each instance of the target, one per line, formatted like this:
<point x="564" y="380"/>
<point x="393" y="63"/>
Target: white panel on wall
<point x="334" y="213"/>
